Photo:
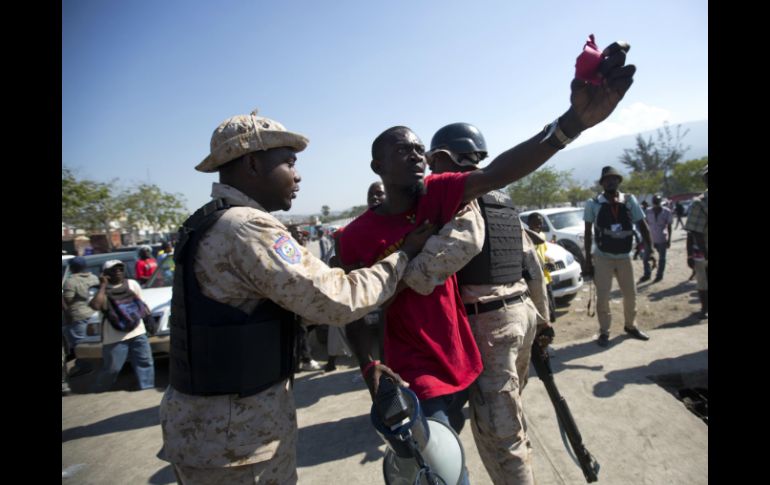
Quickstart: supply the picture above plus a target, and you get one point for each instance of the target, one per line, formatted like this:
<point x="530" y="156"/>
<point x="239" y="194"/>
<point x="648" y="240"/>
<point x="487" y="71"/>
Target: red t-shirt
<point x="428" y="340"/>
<point x="145" y="268"/>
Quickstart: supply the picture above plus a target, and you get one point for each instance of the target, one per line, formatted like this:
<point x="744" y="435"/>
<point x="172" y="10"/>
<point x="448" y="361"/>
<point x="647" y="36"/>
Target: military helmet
<point x="459" y="138"/>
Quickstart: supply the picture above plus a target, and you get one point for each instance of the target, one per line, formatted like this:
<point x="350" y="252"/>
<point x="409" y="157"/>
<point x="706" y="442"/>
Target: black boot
<point x="704" y="304"/>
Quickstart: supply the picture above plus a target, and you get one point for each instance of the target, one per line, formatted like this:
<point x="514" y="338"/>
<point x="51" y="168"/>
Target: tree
<point x="687" y="175"/>
<point x="540" y="188"/>
<point x="88" y="205"/>
<point x="95" y="206"/>
<point x="575" y="192"/>
<point x="642" y="183"/>
<point x="147" y="206"/>
<point x="657" y="157"/>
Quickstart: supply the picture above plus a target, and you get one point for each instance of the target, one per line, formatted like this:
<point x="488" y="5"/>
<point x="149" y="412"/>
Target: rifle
<point x="542" y="364"/>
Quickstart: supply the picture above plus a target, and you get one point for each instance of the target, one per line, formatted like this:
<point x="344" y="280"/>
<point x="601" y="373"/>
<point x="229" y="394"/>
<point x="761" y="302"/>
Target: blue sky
<point x="144" y="83"/>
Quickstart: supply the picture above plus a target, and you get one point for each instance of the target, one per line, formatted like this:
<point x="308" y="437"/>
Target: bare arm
<point x="98" y="301"/>
<point x="510" y="166"/>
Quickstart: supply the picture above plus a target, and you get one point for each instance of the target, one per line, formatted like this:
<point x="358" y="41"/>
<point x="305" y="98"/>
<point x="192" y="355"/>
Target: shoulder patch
<point x="287" y="250"/>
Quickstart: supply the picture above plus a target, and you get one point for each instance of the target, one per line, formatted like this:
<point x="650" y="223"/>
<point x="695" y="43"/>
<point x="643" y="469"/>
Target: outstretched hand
<point x="591" y="103"/>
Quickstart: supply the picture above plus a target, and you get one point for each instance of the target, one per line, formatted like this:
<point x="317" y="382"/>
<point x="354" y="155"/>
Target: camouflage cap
<point x="242" y="134"/>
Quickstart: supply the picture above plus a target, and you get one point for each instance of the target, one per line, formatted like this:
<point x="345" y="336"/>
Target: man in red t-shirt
<point x="146" y="265"/>
<point x="427" y="338"/>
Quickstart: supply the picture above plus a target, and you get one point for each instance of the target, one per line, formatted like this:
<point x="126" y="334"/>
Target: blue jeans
<point x="661" y="248"/>
<point x="449" y="410"/>
<point x="114" y="356"/>
<point x="74" y="333"/>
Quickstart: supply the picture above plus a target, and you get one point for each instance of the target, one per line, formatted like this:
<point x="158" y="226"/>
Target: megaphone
<point x="421" y="451"/>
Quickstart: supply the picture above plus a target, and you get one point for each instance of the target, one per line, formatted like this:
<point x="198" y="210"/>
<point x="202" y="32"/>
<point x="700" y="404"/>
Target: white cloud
<point x="628" y="121"/>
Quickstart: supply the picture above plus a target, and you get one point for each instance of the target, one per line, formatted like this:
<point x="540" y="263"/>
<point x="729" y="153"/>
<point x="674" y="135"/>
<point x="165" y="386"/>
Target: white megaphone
<point x="421" y="451"/>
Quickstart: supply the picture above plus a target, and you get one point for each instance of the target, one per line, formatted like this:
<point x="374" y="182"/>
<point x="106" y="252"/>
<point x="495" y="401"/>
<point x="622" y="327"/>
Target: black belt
<point x="477" y="308"/>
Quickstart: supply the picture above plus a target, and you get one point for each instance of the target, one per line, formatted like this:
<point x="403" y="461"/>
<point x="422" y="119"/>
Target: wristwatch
<point x="555" y="137"/>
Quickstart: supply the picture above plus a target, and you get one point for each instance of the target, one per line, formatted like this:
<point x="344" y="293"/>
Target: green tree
<point x="576" y="192"/>
<point x="659" y="156"/>
<point x="147" y="206"/>
<point x="540" y="188"/>
<point x="89" y="205"/>
<point x="642" y="183"/>
<point x="687" y="175"/>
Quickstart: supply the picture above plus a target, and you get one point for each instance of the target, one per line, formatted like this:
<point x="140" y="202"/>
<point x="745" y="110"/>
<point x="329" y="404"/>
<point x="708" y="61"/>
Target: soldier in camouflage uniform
<point x="244" y="261"/>
<point x="504" y="313"/>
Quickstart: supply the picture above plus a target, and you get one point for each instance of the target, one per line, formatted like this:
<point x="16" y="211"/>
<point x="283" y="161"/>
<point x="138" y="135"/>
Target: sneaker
<point x="636" y="333"/>
<point x="309" y="365"/>
<point x="603" y="340"/>
<point x="644" y="278"/>
<point x="657" y="279"/>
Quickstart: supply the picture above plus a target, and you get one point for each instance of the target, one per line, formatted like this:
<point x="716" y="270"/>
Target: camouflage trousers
<point x="504" y="338"/>
<point x="227" y="439"/>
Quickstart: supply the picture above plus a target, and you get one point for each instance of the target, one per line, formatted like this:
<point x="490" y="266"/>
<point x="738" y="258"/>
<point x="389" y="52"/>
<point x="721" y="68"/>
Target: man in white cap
<point x="228" y="415"/>
<point x="123" y="331"/>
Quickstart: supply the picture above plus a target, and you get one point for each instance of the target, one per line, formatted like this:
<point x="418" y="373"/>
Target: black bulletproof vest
<point x="613" y="231"/>
<point x="216" y="348"/>
<point x="500" y="259"/>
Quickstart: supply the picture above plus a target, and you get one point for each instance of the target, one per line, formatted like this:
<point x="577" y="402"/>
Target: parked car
<point x="156" y="293"/>
<point x="566" y="225"/>
<point x="566" y="278"/>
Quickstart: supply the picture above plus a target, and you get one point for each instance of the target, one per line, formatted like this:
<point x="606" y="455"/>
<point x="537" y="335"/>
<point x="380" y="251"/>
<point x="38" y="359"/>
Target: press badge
<point x="616" y="227"/>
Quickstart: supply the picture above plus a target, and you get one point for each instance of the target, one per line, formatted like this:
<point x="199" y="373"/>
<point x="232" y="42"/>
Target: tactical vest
<point x="613" y="232"/>
<point x="500" y="260"/>
<point x="216" y="348"/>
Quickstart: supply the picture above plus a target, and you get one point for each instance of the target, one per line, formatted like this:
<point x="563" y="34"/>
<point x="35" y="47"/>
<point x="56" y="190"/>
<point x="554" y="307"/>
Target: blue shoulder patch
<point x="287" y="250"/>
